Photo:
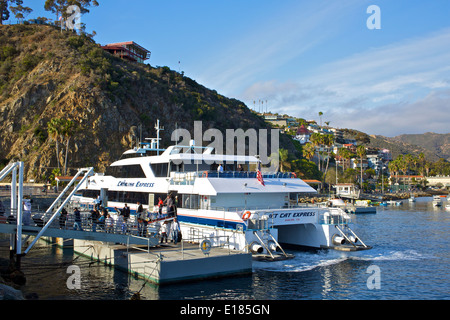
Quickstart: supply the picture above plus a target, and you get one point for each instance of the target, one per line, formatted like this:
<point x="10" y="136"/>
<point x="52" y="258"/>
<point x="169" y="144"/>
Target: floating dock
<point x="168" y="263"/>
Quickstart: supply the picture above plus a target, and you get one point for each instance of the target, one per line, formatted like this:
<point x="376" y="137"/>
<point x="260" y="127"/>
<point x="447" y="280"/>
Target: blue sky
<point x="301" y="57"/>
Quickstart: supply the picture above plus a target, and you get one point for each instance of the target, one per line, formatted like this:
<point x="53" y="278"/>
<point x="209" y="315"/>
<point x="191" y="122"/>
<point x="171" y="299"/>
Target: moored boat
<point x="238" y="206"/>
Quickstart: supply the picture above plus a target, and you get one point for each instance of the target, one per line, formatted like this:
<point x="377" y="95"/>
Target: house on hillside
<point x="302" y="135"/>
<point x="129" y="51"/>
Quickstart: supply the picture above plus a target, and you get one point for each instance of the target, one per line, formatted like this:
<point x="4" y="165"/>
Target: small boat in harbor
<point x="437" y="200"/>
<point x="357" y="207"/>
<point x="394" y="202"/>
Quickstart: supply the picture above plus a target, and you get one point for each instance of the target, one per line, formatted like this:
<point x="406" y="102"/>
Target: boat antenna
<point x="158" y="128"/>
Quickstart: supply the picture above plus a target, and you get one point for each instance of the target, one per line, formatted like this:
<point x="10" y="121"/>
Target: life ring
<point x="293" y="176"/>
<point x="205" y="174"/>
<point x="246" y="215"/>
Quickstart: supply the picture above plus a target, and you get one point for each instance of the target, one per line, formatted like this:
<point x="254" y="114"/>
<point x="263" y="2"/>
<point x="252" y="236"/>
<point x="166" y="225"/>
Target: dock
<point x="168" y="263"/>
<point x="124" y="245"/>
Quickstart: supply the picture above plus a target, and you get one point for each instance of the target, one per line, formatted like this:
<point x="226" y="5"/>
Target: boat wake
<point x="302" y="261"/>
<point x="407" y="255"/>
<point x="305" y="261"/>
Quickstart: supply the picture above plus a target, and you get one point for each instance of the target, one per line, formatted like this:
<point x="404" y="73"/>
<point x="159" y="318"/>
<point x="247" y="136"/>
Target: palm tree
<point x="316" y="140"/>
<point x="280" y="159"/>
<point x="67" y="132"/>
<point x="54" y="130"/>
<point x="284" y="155"/>
<point x="361" y="152"/>
<point x="393" y="168"/>
<point x="328" y="141"/>
<point x="422" y="163"/>
<point x="308" y="151"/>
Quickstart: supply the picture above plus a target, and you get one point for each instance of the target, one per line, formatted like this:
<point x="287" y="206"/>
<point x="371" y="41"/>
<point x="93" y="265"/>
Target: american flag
<point x="259" y="175"/>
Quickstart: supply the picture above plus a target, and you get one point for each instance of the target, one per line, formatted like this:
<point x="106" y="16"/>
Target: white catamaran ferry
<point x="239" y="207"/>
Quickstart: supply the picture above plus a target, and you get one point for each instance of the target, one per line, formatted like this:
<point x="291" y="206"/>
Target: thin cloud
<point x="272" y="44"/>
<point x="404" y="76"/>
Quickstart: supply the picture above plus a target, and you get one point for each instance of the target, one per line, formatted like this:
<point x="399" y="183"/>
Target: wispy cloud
<point x="272" y="44"/>
<point x="397" y="81"/>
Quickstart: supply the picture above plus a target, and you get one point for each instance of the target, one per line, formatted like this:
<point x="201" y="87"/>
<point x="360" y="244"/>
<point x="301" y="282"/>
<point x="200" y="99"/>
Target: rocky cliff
<point x="47" y="74"/>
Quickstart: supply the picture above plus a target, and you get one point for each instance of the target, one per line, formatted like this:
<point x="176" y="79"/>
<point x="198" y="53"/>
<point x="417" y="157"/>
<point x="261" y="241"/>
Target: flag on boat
<point x="259" y="175"/>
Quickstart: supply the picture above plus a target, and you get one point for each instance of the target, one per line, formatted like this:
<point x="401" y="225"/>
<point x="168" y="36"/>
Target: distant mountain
<point x="438" y="144"/>
<point x="433" y="145"/>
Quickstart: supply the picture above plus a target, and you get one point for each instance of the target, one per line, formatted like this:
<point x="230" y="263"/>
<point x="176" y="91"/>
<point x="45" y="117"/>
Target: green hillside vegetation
<point x="47" y="74"/>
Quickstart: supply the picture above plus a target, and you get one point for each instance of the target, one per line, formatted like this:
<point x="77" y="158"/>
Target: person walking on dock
<point x="109" y="224"/>
<point x="77" y="223"/>
<point x="164" y="232"/>
<point x="175" y="229"/>
<point x="63" y="218"/>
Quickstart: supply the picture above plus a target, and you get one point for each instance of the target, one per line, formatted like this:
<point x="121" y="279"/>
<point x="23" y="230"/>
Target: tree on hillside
<point x="361" y="152"/>
<point x="68" y="129"/>
<point x="59" y="7"/>
<point x="281" y="161"/>
<point x="393" y="169"/>
<point x="19" y="11"/>
<point x="4" y="8"/>
<point x="316" y="140"/>
<point x="54" y="129"/>
<point x="61" y="131"/>
<point x="328" y="141"/>
<point x="308" y="151"/>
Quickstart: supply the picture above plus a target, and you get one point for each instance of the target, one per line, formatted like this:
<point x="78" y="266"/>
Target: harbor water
<point x="409" y="261"/>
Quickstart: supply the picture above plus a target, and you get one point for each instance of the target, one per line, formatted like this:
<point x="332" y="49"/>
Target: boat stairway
<point x="266" y="248"/>
<point x="347" y="240"/>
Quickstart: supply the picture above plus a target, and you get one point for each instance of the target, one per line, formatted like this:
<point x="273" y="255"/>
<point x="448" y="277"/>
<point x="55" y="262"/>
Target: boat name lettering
<point x="292" y="214"/>
<point x="136" y="184"/>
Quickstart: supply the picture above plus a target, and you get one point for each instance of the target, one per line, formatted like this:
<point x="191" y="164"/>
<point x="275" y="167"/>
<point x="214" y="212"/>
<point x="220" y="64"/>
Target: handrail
<point x="278" y="245"/>
<point x="345" y="236"/>
<point x="262" y="243"/>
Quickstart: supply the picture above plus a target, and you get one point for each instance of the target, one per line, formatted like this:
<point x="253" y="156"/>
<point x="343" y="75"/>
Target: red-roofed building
<point x="303" y="134"/>
<point x="128" y="50"/>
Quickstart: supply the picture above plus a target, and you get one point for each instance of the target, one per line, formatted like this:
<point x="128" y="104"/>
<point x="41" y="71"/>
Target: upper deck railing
<point x="180" y="178"/>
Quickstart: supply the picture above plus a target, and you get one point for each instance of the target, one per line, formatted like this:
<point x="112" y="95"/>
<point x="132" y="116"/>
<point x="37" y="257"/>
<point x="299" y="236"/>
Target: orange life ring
<point x="205" y="174"/>
<point x="246" y="215"/>
<point x="294" y="176"/>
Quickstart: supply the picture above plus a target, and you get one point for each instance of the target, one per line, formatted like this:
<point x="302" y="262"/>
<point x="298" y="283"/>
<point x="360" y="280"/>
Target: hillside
<point x="46" y="74"/>
<point x="432" y="145"/>
<point x="438" y="144"/>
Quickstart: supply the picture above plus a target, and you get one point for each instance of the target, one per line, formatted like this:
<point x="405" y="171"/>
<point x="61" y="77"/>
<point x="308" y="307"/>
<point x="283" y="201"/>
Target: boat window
<point x="159" y="169"/>
<point x="128" y="197"/>
<point x="90" y="193"/>
<point x="188" y="201"/>
<point x="128" y="171"/>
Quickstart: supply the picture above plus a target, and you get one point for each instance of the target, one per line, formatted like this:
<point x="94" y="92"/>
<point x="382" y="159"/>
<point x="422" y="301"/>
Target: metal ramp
<point x="49" y="227"/>
<point x="80" y="235"/>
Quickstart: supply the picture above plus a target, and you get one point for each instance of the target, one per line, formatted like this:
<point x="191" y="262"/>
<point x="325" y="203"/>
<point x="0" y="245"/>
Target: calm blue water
<point x="410" y="250"/>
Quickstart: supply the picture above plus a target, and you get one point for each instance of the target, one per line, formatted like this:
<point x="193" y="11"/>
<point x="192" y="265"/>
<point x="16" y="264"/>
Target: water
<point x="410" y="254"/>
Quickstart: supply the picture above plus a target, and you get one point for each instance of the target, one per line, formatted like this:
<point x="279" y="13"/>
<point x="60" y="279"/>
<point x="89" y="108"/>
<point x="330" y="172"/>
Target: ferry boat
<point x="240" y="207"/>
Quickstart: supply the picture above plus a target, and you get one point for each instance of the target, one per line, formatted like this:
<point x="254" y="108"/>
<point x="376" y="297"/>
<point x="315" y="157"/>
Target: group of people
<point x="101" y="219"/>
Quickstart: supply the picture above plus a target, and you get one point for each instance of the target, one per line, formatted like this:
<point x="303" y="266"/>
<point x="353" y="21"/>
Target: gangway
<point x="48" y="229"/>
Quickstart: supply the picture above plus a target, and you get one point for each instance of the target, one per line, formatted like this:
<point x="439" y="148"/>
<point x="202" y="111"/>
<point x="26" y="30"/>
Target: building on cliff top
<point x="128" y="50"/>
